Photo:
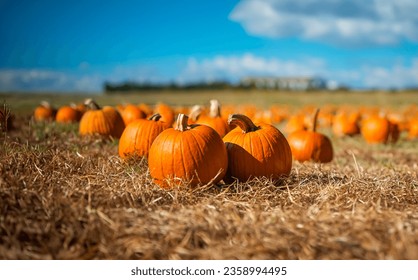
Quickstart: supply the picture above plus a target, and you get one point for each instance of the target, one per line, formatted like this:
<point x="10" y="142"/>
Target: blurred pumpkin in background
<point x="104" y="121"/>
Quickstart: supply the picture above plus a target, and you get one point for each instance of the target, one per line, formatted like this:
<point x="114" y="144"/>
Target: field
<point x="67" y="197"/>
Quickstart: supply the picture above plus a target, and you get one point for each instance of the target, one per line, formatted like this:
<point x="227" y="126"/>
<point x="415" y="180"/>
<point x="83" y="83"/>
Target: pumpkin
<point x="295" y="123"/>
<point x="344" y="124"/>
<point x="131" y="112"/>
<point x="256" y="150"/>
<point x="399" y="119"/>
<point x="378" y="129"/>
<point x="138" y="136"/>
<point x="264" y="116"/>
<point x="279" y="113"/>
<point x="146" y="109"/>
<point x="413" y="128"/>
<point x="80" y="107"/>
<point x="68" y="114"/>
<point x="187" y="153"/>
<point x="166" y="112"/>
<point x="214" y="119"/>
<point x="248" y="110"/>
<point x="311" y="145"/>
<point x="44" y="112"/>
<point x="104" y="121"/>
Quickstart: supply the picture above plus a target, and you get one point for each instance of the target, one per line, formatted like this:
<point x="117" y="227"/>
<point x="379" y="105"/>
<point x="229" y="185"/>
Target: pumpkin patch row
<point x="202" y="146"/>
<point x="341" y="120"/>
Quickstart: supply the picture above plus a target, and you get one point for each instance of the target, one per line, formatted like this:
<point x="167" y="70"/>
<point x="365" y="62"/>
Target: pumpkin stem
<point x="45" y="104"/>
<point x="156" y="117"/>
<point x="195" y="112"/>
<point x="182" y="122"/>
<point x="215" y="108"/>
<point x="89" y="102"/>
<point x="315" y="120"/>
<point x="244" y="122"/>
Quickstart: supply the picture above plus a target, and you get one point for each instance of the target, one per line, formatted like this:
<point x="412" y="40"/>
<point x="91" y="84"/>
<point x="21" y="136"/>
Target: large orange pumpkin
<point x="214" y="119"/>
<point x="104" y="121"/>
<point x="44" y="112"/>
<point x="187" y="153"/>
<point x="138" y="136"/>
<point x="378" y="129"/>
<point x="256" y="150"/>
<point x="311" y="145"/>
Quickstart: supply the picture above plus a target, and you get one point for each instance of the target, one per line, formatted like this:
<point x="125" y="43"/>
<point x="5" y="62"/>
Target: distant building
<point x="285" y="83"/>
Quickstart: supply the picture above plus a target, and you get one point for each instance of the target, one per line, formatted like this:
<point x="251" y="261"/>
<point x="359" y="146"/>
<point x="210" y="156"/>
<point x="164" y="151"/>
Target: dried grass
<point x="62" y="197"/>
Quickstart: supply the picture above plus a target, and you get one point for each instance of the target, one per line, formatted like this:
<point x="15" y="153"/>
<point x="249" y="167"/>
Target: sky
<point x="76" y="46"/>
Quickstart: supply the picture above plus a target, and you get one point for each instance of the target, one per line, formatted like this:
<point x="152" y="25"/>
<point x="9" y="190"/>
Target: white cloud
<point x="47" y="80"/>
<point x="397" y="76"/>
<point x="341" y="22"/>
<point x="232" y="68"/>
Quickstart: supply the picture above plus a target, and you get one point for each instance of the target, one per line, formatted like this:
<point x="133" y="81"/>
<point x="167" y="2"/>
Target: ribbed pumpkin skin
<point x="196" y="155"/>
<point x="67" y="114"/>
<point x="106" y="121"/>
<point x="377" y="129"/>
<point x="138" y="136"/>
<point x="264" y="152"/>
<point x="309" y="145"/>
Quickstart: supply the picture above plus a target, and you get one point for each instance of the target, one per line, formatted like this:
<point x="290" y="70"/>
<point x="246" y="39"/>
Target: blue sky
<point x="77" y="45"/>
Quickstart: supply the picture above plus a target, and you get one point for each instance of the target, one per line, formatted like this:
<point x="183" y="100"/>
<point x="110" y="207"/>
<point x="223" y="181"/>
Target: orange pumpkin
<point x="44" y="112"/>
<point x="279" y="113"/>
<point x="378" y="129"/>
<point x="413" y="128"/>
<point x="166" y="112"/>
<point x="187" y="153"/>
<point x="67" y="114"/>
<point x="256" y="150"/>
<point x="311" y="145"/>
<point x="138" y="136"/>
<point x="104" y="121"/>
<point x="295" y="123"/>
<point x="146" y="109"/>
<point x="214" y="119"/>
<point x="344" y="124"/>
<point x="131" y="112"/>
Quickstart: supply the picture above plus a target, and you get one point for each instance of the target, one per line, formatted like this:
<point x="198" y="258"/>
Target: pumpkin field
<point x="281" y="175"/>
